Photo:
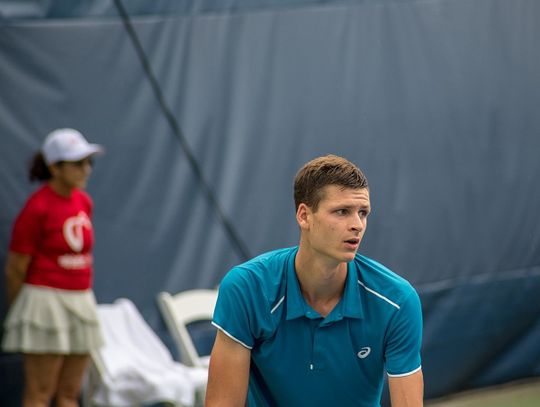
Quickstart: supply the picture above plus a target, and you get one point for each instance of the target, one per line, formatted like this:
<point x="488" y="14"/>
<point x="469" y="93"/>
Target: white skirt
<point x="50" y="320"/>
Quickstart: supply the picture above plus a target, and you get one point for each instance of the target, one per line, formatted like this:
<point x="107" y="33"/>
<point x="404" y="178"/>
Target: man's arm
<point x="228" y="376"/>
<point x="407" y="391"/>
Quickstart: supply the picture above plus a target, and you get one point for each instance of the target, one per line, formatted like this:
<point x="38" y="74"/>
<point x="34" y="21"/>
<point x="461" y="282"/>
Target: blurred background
<point x="207" y="109"/>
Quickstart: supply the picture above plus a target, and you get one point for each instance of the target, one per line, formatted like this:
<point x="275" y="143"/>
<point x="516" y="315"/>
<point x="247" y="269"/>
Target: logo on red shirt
<point x="73" y="231"/>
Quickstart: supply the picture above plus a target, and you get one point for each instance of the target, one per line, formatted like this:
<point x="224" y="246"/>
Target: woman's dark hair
<point x="39" y="171"/>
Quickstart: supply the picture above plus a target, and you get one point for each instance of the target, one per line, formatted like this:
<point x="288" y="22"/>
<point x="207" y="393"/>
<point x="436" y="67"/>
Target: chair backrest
<point x="182" y="309"/>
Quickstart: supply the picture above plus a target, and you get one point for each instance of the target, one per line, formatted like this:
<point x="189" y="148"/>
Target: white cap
<point x="67" y="145"/>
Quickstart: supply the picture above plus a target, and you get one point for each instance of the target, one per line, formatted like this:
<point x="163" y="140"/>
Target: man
<point x="318" y="324"/>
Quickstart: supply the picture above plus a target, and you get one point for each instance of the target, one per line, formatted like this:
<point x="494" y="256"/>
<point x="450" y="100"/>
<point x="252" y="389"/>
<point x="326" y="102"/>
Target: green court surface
<point x="518" y="394"/>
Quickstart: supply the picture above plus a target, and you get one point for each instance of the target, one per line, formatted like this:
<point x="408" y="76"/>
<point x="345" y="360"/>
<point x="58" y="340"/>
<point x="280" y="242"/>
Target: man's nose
<point x="357" y="223"/>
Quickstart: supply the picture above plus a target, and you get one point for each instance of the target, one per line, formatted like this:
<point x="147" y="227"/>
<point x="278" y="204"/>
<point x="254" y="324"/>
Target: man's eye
<point x="342" y="212"/>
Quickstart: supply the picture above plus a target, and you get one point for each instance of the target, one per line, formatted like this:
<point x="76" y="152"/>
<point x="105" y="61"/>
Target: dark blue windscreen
<point x="437" y="101"/>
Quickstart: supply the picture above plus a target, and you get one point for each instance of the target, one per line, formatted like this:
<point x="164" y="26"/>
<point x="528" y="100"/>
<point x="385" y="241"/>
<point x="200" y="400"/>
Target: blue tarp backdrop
<point x="437" y="101"/>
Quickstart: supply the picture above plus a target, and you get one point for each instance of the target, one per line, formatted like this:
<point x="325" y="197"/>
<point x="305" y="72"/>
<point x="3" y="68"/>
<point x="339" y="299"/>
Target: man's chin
<point x="347" y="258"/>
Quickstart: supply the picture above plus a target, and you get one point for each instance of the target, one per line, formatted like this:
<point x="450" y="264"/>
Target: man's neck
<point x="321" y="282"/>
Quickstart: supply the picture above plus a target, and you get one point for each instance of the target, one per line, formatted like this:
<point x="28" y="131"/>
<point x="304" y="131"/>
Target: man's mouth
<point x="353" y="241"/>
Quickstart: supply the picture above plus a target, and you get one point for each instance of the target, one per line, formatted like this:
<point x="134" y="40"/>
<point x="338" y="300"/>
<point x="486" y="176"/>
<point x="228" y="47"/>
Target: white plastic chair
<point x="182" y="309"/>
<point x="134" y="367"/>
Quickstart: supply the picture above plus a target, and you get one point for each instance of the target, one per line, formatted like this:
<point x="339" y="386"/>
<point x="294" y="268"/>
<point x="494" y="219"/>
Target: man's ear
<point x="303" y="214"/>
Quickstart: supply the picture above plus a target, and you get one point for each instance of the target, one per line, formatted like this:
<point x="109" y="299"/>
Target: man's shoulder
<point x="258" y="283"/>
<point x="380" y="280"/>
<point x="274" y="258"/>
<point x="266" y="271"/>
<point x="267" y="264"/>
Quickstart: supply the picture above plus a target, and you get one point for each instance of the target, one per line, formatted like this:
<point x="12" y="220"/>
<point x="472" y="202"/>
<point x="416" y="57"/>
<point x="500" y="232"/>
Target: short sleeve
<point x="404" y="338"/>
<point x="26" y="230"/>
<point x="234" y="313"/>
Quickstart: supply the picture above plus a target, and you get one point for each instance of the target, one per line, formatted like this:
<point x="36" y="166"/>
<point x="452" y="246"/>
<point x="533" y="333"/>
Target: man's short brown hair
<point x="322" y="171"/>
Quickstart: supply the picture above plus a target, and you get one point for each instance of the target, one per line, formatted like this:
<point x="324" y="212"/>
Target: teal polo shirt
<point x="299" y="358"/>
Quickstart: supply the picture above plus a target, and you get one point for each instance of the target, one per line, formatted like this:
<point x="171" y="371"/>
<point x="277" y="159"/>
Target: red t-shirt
<point x="57" y="232"/>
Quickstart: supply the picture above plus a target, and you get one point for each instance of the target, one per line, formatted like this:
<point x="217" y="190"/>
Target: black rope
<point x="240" y="246"/>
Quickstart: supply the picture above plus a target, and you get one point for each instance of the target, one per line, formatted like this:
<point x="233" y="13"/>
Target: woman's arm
<point x="16" y="267"/>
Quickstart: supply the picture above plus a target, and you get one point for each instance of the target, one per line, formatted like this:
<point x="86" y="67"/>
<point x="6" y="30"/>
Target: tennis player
<point x="318" y="324"/>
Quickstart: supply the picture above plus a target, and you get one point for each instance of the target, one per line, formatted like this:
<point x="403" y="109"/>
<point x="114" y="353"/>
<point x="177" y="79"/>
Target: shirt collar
<point x="349" y="306"/>
<point x="296" y="305"/>
<point x="351" y="301"/>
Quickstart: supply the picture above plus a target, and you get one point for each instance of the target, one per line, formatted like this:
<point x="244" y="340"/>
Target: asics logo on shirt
<point x="364" y="352"/>
<point x="73" y="230"/>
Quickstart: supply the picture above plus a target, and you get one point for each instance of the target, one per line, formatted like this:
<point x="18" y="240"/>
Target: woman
<point x="52" y="318"/>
